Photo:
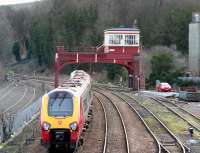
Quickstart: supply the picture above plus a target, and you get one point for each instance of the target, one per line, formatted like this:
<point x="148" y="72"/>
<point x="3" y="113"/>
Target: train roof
<point x="77" y="83"/>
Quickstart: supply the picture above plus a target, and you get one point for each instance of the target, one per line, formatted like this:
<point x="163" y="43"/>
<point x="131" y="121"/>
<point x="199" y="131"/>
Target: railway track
<point x="169" y="142"/>
<point x="17" y="98"/>
<point x="189" y="118"/>
<point x="111" y="87"/>
<point x="96" y="135"/>
<point x="5" y="87"/>
<point x="30" y="98"/>
<point x="6" y="91"/>
<point x="116" y="133"/>
<point x="14" y="93"/>
<point x="25" y="101"/>
<point x="136" y="131"/>
<point x="181" y="117"/>
<point x="184" y="114"/>
<point x="110" y="141"/>
<point x="17" y="101"/>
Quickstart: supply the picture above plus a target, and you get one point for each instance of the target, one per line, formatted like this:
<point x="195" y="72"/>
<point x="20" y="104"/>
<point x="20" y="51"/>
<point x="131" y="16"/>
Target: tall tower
<point x="194" y="45"/>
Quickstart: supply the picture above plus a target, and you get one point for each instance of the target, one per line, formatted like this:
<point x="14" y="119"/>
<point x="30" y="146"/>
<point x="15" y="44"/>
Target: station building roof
<point x="121" y="29"/>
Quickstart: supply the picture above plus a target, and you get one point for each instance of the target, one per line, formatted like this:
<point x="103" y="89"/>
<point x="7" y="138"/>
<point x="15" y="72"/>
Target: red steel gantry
<point x="121" y="46"/>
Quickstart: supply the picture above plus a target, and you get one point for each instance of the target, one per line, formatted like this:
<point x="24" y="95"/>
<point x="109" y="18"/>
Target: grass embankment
<point x="151" y="122"/>
<point x="173" y="122"/>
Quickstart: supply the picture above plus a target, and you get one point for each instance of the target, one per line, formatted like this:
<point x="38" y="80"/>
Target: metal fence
<point x="20" y="119"/>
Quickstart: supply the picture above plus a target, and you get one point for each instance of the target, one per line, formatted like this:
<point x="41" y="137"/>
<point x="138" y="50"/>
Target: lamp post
<point x="138" y="83"/>
<point x="137" y="58"/>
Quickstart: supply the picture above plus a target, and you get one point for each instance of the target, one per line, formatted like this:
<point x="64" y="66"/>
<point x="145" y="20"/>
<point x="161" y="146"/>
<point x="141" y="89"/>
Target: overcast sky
<point x="10" y="2"/>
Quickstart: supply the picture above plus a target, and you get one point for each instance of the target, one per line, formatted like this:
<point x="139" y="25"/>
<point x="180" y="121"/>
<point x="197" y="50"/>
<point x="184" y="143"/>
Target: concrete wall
<point x="1" y="72"/>
<point x="194" y="48"/>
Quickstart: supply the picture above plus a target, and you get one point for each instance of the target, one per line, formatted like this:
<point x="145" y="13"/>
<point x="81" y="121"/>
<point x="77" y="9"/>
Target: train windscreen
<point x="60" y="104"/>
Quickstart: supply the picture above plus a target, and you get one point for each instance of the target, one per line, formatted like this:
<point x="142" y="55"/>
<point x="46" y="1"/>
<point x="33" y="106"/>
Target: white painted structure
<point x="121" y="37"/>
<point x="194" y="45"/>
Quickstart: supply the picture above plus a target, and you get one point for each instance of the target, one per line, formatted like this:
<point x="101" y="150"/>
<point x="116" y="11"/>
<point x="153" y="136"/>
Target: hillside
<point x="38" y="27"/>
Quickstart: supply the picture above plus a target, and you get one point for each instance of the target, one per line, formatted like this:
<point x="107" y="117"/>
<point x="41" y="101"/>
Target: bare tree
<point x="6" y="122"/>
<point x="1" y="71"/>
<point x="19" y="21"/>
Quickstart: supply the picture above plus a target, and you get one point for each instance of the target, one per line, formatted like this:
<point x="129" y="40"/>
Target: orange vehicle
<point x="64" y="112"/>
<point x="163" y="87"/>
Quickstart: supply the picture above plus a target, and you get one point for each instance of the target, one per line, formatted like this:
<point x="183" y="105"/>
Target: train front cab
<point x="60" y="119"/>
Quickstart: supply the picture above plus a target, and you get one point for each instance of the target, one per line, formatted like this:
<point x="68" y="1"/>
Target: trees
<point x="19" y="20"/>
<point x="172" y="29"/>
<point x="163" y="68"/>
<point x="115" y="72"/>
<point x="77" y="24"/>
<point x="16" y="51"/>
<point x="73" y="28"/>
<point x="41" y="40"/>
<point x="6" y="125"/>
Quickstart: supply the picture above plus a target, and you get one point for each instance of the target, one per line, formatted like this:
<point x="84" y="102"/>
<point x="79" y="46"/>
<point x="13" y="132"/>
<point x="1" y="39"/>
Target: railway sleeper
<point x="89" y="116"/>
<point x="164" y="150"/>
<point x="88" y="122"/>
<point x="86" y="126"/>
<point x="169" y="144"/>
<point x="84" y="129"/>
<point x="167" y="141"/>
<point x="81" y="140"/>
<point x="29" y="141"/>
<point x="90" y="113"/>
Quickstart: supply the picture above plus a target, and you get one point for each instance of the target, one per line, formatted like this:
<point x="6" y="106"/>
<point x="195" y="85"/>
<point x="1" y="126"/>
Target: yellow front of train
<point x="59" y="119"/>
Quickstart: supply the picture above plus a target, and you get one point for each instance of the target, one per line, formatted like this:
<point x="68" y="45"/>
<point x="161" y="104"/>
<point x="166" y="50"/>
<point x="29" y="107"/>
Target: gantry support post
<point x="130" y="80"/>
<point x="57" y="71"/>
<point x="136" y="76"/>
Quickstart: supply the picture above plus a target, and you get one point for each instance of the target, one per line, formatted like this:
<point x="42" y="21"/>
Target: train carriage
<point x="64" y="111"/>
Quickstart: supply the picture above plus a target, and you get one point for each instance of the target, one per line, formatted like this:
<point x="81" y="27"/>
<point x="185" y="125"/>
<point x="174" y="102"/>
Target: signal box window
<point x="115" y="39"/>
<point x="60" y="104"/>
<point x="131" y="40"/>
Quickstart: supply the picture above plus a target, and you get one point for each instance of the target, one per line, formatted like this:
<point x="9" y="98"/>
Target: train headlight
<point x="46" y="126"/>
<point x="73" y="126"/>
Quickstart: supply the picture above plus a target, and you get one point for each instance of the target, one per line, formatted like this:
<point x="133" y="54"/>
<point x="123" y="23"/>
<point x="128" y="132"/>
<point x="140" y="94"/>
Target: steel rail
<point x="18" y="101"/>
<point x="7" y="86"/>
<point x="182" y="146"/>
<point x="122" y="121"/>
<point x="106" y="124"/>
<point x="31" y="99"/>
<point x="34" y="78"/>
<point x="9" y="91"/>
<point x="176" y="113"/>
<point x="182" y="109"/>
<point x="112" y="88"/>
<point x="170" y="102"/>
<point x="159" y="145"/>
